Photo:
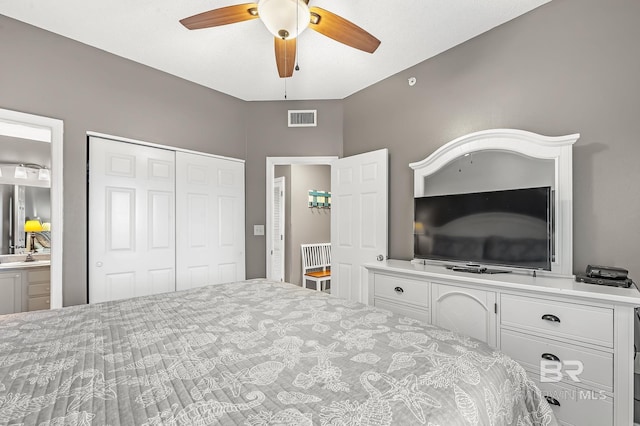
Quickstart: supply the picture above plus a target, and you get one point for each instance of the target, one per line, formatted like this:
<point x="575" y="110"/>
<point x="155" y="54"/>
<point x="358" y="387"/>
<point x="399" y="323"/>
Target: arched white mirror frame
<point x="56" y="128"/>
<point x="558" y="149"/>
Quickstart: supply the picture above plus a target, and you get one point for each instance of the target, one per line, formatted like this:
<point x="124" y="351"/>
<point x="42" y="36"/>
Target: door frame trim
<point x="272" y="162"/>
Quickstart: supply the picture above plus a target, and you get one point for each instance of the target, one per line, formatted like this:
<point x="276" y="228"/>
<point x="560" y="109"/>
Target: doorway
<point x="305" y="221"/>
<point x="359" y="217"/>
<point x="29" y="127"/>
<point x="272" y="253"/>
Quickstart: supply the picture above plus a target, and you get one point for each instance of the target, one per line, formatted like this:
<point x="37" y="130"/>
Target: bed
<point x="252" y="353"/>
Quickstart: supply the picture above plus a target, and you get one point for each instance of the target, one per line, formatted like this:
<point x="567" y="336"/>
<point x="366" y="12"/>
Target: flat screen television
<point x="511" y="228"/>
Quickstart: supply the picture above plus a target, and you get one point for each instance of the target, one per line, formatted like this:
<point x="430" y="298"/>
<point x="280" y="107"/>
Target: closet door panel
<point x="120" y="218"/>
<point x="131" y="220"/>
<point x="210" y="220"/>
<point x="197" y="214"/>
<point x="231" y="250"/>
<point x="160" y="222"/>
<point x="118" y="285"/>
<point x="162" y="280"/>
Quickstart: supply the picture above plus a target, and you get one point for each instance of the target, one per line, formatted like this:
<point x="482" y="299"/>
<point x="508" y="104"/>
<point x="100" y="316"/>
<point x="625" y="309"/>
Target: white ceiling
<point x="239" y="60"/>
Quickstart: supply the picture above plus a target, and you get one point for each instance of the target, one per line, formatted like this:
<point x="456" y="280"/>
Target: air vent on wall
<point x="303" y="118"/>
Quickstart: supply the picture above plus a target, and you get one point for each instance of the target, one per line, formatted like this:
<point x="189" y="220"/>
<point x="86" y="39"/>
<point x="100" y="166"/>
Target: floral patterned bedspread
<point x="252" y="353"/>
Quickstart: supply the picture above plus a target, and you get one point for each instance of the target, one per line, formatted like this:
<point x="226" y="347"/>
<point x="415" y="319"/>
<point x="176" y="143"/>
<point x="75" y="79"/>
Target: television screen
<point x="507" y="228"/>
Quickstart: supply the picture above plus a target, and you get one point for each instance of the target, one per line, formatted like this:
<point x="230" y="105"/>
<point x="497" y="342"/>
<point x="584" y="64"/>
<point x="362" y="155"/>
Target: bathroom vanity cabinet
<point x="25" y="288"/>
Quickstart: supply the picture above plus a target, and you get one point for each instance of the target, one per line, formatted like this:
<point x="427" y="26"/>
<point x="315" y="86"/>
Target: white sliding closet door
<point x="131" y="220"/>
<point x="209" y="220"/>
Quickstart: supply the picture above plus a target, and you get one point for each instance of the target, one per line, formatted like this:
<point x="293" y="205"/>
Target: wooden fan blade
<point x="221" y="16"/>
<point x="285" y="56"/>
<point x="341" y="30"/>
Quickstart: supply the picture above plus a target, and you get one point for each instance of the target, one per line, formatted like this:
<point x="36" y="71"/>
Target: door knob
<point x="99" y="264"/>
<point x="380" y="258"/>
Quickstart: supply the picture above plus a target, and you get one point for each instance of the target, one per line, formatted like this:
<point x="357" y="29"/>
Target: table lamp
<point x="31" y="226"/>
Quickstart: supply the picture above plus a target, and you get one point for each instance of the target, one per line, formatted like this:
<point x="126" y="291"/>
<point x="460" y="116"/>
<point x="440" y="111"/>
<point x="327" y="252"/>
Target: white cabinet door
<point x="209" y="220"/>
<point x="359" y="211"/>
<point x="131" y="220"/>
<point x="10" y="292"/>
<point x="465" y="310"/>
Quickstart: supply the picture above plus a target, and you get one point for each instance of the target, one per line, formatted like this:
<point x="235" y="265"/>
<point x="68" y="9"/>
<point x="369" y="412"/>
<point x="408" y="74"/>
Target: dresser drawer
<point x="577" y="407"/>
<point x="41" y="275"/>
<point x="404" y="310"/>
<point x="402" y="290"/>
<point x="589" y="324"/>
<point x="43" y="289"/>
<point x="597" y="366"/>
<point x="39" y="303"/>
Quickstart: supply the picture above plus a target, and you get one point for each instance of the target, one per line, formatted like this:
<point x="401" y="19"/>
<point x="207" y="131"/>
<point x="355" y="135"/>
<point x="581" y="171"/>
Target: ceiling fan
<point x="286" y="19"/>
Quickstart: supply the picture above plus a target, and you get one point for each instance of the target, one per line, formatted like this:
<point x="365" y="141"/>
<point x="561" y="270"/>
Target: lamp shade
<point x="32" y="226"/>
<point x="285" y="19"/>
<point x="46" y="226"/>
<point x="20" y="172"/>
<point x="44" y="174"/>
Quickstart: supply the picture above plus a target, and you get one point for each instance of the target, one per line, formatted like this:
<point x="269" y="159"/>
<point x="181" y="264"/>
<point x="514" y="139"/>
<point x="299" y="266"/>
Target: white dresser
<point x="575" y="340"/>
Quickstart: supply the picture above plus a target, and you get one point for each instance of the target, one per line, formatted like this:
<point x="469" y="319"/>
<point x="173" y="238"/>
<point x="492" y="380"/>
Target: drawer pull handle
<point x="398" y="290"/>
<point x="552" y="401"/>
<point x="550" y="317"/>
<point x="550" y="357"/>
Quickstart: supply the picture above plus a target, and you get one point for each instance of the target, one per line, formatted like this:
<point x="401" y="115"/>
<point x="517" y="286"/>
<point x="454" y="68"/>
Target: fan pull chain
<point x="297" y="68"/>
<point x="285" y="67"/>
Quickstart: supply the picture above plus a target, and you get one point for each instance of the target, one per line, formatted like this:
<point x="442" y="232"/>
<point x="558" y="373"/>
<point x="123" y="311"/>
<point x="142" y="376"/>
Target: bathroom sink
<point x="24" y="264"/>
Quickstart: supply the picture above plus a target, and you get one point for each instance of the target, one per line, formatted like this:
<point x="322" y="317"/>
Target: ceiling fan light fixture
<point x="284" y="19"/>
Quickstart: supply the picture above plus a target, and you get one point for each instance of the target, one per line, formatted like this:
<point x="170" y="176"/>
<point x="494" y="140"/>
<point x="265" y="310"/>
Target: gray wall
<point x="49" y="75"/>
<point x="570" y="66"/>
<point x="91" y="90"/>
<point x="268" y="135"/>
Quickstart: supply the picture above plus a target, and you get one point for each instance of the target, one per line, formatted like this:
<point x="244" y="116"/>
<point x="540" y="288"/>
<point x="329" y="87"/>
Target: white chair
<point x="316" y="264"/>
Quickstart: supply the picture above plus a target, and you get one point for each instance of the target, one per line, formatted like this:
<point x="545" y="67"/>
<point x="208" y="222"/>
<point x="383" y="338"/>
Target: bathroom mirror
<point x="25" y="191"/>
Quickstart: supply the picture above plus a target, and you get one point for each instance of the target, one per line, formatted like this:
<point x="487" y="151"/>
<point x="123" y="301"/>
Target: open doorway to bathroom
<point x="32" y="158"/>
<point x="302" y="224"/>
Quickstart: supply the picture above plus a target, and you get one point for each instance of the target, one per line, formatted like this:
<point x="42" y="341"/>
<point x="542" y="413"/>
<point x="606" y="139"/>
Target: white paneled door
<point x="210" y="220"/>
<point x="277" y="234"/>
<point x="131" y="220"/>
<point x="359" y="194"/>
